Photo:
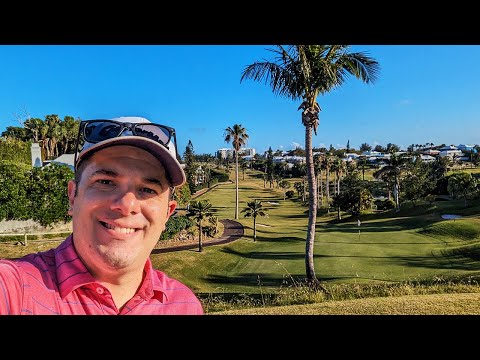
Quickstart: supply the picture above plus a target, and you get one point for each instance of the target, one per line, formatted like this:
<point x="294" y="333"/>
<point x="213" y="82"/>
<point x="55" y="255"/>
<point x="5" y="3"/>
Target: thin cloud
<point x="296" y="145"/>
<point x="405" y="102"/>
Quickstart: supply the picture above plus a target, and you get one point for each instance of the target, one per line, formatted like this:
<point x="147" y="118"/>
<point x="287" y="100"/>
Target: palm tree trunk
<point x="312" y="205"/>
<point x="200" y="245"/>
<point x="254" y="228"/>
<point x="396" y="195"/>
<point x="320" y="189"/>
<point x="335" y="180"/>
<point x="304" y="196"/>
<point x="327" y="188"/>
<point x="236" y="184"/>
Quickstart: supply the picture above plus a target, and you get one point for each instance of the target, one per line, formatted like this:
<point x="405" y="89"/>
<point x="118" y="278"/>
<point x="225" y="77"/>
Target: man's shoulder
<point x="177" y="293"/>
<point x="167" y="281"/>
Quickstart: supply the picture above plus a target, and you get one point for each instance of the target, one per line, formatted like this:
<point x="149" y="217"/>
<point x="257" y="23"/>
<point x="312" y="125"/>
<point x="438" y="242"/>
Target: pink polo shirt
<point x="56" y="282"/>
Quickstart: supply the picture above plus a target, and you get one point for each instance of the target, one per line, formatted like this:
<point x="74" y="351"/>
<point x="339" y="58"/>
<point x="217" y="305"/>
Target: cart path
<point x="232" y="230"/>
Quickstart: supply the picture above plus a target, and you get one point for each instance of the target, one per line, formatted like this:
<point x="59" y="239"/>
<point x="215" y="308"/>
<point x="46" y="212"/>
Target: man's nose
<point x="126" y="203"/>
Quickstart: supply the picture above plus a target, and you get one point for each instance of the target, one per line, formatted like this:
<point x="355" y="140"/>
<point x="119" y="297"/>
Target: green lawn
<point x="432" y="304"/>
<point x="395" y="248"/>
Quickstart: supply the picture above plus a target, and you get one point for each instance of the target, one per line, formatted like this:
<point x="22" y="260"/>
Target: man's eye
<point x="149" y="191"/>
<point x="104" y="182"/>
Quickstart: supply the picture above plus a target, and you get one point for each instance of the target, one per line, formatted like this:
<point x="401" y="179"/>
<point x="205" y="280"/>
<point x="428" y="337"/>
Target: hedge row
<point x="34" y="193"/>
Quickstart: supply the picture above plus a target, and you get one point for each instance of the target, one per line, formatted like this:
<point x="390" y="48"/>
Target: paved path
<point x="232" y="230"/>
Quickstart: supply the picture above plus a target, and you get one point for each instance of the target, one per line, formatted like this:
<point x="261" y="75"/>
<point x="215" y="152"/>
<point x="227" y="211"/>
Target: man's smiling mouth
<point x="122" y="230"/>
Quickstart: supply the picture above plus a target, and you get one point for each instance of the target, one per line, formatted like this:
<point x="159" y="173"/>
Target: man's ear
<point x="72" y="186"/>
<point x="172" y="205"/>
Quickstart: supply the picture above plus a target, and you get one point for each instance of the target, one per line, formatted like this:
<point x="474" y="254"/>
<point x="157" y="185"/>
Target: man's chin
<point x="118" y="258"/>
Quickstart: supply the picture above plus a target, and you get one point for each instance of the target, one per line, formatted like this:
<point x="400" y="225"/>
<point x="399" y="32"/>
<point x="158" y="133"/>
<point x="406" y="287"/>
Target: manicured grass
<point x="390" y="247"/>
<point x="434" y="304"/>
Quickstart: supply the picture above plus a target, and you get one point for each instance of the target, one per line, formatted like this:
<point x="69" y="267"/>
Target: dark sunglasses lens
<point x="101" y="130"/>
<point x="157" y="133"/>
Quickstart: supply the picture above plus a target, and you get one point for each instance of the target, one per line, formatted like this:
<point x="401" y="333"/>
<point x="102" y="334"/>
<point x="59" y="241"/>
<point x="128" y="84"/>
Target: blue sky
<point x="424" y="93"/>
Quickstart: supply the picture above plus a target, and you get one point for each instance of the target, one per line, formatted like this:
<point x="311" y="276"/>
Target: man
<point x="126" y="170"/>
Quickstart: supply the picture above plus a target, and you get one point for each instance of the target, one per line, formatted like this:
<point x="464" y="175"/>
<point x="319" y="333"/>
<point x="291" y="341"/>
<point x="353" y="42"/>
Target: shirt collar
<point x="72" y="273"/>
<point x="153" y="283"/>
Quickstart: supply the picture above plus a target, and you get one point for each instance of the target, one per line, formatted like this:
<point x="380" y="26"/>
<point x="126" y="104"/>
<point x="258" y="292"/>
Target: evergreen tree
<point x="190" y="166"/>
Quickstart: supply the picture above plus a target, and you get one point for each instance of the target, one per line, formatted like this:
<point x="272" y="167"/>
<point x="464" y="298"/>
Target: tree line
<point x="54" y="135"/>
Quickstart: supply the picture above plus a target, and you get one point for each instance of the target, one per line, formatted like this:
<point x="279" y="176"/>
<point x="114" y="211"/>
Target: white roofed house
<point x="427" y="158"/>
<point x="351" y="157"/>
<point x="225" y="153"/>
<point x="431" y="152"/>
<point x="64" y="159"/>
<point x="464" y="147"/>
<point x="451" y="151"/>
<point x="289" y="160"/>
<point x="468" y="151"/>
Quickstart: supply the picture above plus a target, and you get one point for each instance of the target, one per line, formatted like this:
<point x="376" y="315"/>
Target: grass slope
<point x="434" y="304"/>
<point x="390" y="247"/>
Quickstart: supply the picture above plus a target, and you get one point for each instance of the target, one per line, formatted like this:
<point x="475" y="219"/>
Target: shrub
<point x="15" y="150"/>
<point x="34" y="193"/>
<point x="14" y="198"/>
<point x="220" y="176"/>
<point x="430" y="198"/>
<point x="48" y="193"/>
<point x="182" y="195"/>
<point x="174" y="225"/>
<point x="385" y="204"/>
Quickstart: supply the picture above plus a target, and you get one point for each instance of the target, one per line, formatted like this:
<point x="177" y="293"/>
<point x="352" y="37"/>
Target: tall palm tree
<point x="243" y="166"/>
<point x="392" y="173"/>
<point x="284" y="184"/>
<point x="254" y="209"/>
<point x="238" y="136"/>
<point x="53" y="134"/>
<point x="317" y="166"/>
<point x="328" y="165"/>
<point x="199" y="211"/>
<point x="340" y="168"/>
<point x="303" y="72"/>
<point x="462" y="184"/>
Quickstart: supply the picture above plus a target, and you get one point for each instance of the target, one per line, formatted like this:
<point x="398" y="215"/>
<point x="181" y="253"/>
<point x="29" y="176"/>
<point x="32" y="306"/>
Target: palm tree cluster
<point x="55" y="136"/>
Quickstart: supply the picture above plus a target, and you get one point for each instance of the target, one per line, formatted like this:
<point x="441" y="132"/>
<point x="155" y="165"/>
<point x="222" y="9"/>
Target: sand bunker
<point x="450" y="216"/>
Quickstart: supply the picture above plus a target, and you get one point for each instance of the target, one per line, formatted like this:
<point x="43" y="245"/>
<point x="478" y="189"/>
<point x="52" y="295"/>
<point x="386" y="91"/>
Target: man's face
<point x="120" y="210"/>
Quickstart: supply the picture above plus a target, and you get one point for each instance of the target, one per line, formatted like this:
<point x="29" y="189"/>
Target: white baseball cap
<point x="154" y="138"/>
